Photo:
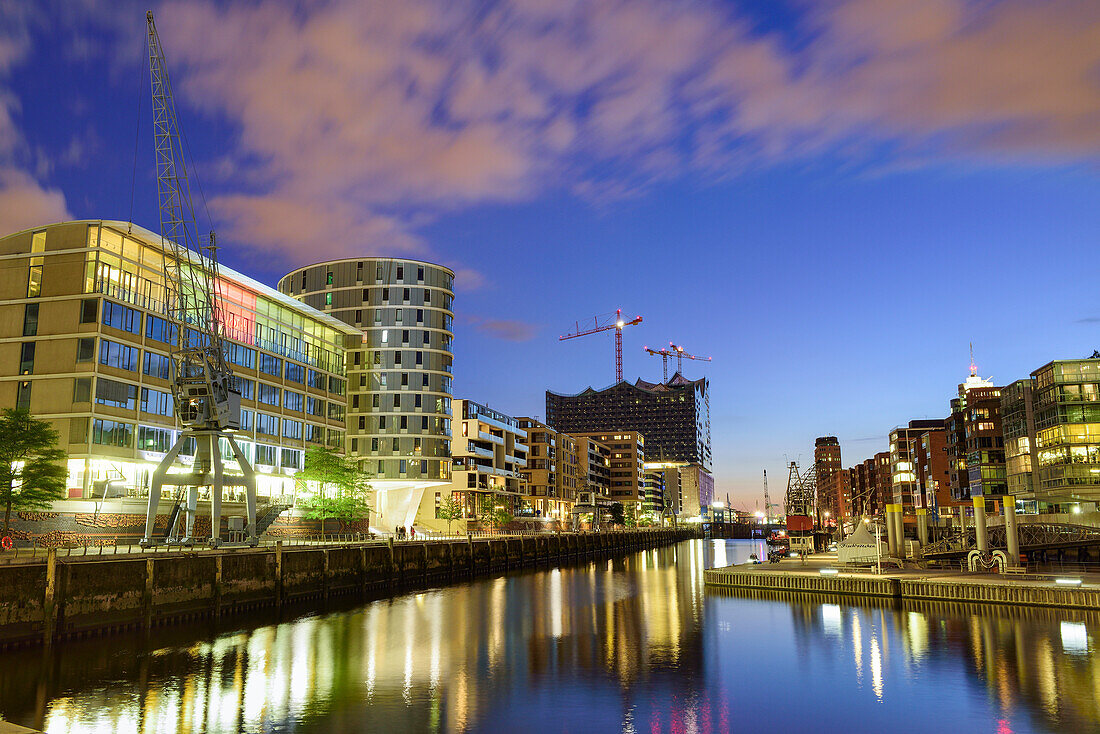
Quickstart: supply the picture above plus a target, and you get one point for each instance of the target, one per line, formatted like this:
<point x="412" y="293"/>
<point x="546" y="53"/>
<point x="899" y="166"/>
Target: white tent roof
<point x="859" y="546"/>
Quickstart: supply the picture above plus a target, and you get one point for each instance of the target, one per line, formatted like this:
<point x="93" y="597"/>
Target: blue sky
<point x="831" y="199"/>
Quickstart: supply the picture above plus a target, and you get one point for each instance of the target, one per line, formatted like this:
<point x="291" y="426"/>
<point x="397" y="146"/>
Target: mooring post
<point x="49" y="603"/>
<point x="278" y="573"/>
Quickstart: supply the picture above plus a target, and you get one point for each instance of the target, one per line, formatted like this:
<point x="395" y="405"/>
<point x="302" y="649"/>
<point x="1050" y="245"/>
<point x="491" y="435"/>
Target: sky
<point x="831" y="199"/>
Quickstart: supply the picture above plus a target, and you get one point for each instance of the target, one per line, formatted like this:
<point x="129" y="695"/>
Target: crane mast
<point x="599" y="324"/>
<point x="206" y="402"/>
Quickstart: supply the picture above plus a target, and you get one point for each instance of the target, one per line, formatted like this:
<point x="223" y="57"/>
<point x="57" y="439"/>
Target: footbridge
<point x="1032" y="537"/>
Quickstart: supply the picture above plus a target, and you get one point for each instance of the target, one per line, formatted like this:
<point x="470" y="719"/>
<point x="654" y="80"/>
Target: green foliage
<point x="450" y="510"/>
<point x="494" y="516"/>
<point x="32" y="469"/>
<point x="617" y="517"/>
<point x="344" y="490"/>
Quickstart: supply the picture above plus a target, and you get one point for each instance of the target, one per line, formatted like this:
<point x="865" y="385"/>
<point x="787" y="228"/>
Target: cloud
<point x="24" y="201"/>
<point x="1089" y="320"/>
<point x="508" y="330"/>
<point x="359" y="120"/>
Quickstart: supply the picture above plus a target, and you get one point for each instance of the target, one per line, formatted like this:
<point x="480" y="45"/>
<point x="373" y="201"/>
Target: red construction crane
<point x="681" y="355"/>
<point x="664" y="354"/>
<point x="606" y="323"/>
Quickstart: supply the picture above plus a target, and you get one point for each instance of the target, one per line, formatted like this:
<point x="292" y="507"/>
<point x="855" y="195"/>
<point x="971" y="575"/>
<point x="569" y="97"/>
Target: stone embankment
<point x="949" y="586"/>
<point x="55" y="598"/>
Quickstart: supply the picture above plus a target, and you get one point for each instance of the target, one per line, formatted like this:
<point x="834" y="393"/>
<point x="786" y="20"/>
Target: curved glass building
<point x="399" y="380"/>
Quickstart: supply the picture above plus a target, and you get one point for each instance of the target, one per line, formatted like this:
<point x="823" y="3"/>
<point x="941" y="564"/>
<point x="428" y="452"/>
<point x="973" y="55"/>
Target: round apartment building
<point x="399" y="380"/>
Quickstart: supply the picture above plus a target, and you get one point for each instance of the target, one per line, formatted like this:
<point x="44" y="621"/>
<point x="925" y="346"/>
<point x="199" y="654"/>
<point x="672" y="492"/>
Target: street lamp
<point x="717" y="507"/>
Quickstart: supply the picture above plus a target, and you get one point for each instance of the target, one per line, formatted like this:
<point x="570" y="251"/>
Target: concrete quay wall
<point x="945" y="589"/>
<point x="59" y="598"/>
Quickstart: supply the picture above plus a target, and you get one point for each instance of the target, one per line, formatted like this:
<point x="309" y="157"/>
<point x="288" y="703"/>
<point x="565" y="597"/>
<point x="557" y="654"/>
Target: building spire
<point x="973" y="367"/>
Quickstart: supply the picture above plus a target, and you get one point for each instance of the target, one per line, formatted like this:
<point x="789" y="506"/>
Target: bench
<point x="1015" y="570"/>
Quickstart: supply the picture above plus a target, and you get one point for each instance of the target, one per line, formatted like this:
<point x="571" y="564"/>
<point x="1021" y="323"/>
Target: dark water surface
<point x="633" y="644"/>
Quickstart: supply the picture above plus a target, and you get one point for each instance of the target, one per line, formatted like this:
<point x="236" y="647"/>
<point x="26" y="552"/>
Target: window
<point x="420" y="316"/>
<point x="156" y="402"/>
<point x="30" y="319"/>
<point x="420" y="357"/>
<point x="248" y="420"/>
<point x="396" y="445"/>
<point x="119" y="356"/>
<point x="34" y="275"/>
<point x="85" y="349"/>
<point x="336" y="411"/>
<point x="266" y="455"/>
<point x="303" y="280"/>
<point x="420" y="274"/>
<point x="314" y="406"/>
<point x="82" y="390"/>
<point x="385" y="295"/>
<point x="293" y="400"/>
<point x="397" y="400"/>
<point x="427" y="339"/>
<point x="335" y="386"/>
<point x="115" y="394"/>
<point x="316" y="380"/>
<point x="374" y="444"/>
<point x="270" y="365"/>
<point x="382" y="379"/>
<point x="359" y="271"/>
<point x="291" y="459"/>
<point x="156" y="365"/>
<point x="111" y="433"/>
<point x="156" y="328"/>
<point x="358" y="316"/>
<point x="295" y="373"/>
<point x="397" y="357"/>
<point x="328" y="278"/>
<point x="121" y="317"/>
<point x="328" y="298"/>
<point x="404" y="295"/>
<point x="247" y="388"/>
<point x="404" y="336"/>
<point x="267" y="424"/>
<point x="26" y="358"/>
<point x="400" y="273"/>
<point x="89" y="310"/>
<point x="377" y="318"/>
<point x="362" y="423"/>
<point x="404" y="422"/>
<point x="404" y="379"/>
<point x="239" y="354"/>
<point x="427" y="296"/>
<point x="381" y="423"/>
<point x="402" y="464"/>
<point x="399" y="316"/>
<point x="417" y="400"/>
<point x="378" y="271"/>
<point x="269" y="394"/>
<point x="23" y="396"/>
<point x="315" y="434"/>
<point x="292" y="429"/>
<point x="154" y="439"/>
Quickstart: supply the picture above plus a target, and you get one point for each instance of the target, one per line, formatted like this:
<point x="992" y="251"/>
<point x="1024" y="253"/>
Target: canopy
<point x="859" y="547"/>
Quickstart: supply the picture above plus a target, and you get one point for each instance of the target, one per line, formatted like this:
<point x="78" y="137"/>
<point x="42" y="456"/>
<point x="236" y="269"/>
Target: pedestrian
<point x="412" y="532"/>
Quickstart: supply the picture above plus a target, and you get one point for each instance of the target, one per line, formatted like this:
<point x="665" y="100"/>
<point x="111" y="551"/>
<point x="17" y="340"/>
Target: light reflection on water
<point x="632" y="644"/>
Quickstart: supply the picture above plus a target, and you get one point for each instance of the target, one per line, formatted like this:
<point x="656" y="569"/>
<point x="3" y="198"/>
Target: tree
<point x="339" y="476"/>
<point x="617" y="514"/>
<point x="450" y="510"/>
<point x="494" y="515"/>
<point x="32" y="472"/>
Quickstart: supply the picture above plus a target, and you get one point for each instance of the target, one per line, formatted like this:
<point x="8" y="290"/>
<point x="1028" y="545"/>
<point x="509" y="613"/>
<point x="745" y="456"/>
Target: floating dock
<point x="1070" y="590"/>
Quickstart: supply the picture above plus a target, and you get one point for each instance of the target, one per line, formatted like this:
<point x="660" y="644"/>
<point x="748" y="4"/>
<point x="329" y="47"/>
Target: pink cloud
<point x="508" y="330"/>
<point x="357" y="123"/>
<point x="25" y="203"/>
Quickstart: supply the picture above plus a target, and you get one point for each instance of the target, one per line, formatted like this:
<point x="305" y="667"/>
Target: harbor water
<point x="632" y="644"/>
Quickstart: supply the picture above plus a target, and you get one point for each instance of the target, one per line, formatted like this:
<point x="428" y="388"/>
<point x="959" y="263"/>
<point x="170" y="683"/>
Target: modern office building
<point x="674" y="417"/>
<point x="552" y="473"/>
<point x="1021" y="452"/>
<point x="628" y="452"/>
<point x="594" y="458"/>
<point x="975" y="441"/>
<point x="932" y="465"/>
<point x="84" y="343"/>
<point x="399" y="378"/>
<point x="1066" y="395"/>
<point x="489" y="457"/>
<point x="826" y="463"/>
<point x="905" y="488"/>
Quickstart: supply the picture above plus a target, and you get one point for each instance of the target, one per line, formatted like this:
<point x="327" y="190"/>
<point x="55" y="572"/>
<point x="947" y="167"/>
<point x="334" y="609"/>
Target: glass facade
<point x="103" y="305"/>
<point x="399" y="378"/>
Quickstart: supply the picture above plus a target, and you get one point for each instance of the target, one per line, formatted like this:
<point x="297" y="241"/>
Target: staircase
<point x="270" y="514"/>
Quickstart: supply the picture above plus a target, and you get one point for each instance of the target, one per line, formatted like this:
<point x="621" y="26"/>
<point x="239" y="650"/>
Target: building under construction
<point x="673" y="416"/>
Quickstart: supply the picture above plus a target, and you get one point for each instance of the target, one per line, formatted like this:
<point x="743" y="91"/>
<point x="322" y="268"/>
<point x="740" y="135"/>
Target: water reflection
<point x="627" y="644"/>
